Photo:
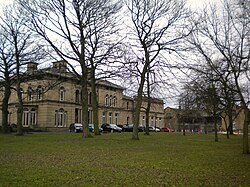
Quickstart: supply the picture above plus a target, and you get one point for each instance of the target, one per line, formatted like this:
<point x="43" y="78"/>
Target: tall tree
<point x="224" y="35"/>
<point x="101" y="45"/>
<point x="6" y="73"/>
<point x="76" y="29"/>
<point x="157" y="26"/>
<point x="22" y="49"/>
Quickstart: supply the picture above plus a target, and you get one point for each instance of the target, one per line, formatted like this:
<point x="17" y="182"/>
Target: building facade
<point x="190" y="120"/>
<point x="52" y="99"/>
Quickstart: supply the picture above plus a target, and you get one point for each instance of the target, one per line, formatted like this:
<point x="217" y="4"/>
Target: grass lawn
<point x="161" y="159"/>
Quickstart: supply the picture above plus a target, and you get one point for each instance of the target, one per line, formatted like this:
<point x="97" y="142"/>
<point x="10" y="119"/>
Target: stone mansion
<point x="52" y="99"/>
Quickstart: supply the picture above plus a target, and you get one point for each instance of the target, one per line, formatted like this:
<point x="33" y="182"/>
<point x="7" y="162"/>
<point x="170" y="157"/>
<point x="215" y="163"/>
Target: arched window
<point x="143" y="121"/>
<point x="29" y="94"/>
<point x="61" y="93"/>
<point x="152" y="121"/>
<point x="25" y="117"/>
<point x="39" y="93"/>
<point x="60" y="118"/>
<point x="107" y="100"/>
<point x="115" y="101"/>
<point x="116" y="118"/>
<point x="32" y="116"/>
<point x="110" y="100"/>
<point x="77" y="96"/>
<point x="29" y="117"/>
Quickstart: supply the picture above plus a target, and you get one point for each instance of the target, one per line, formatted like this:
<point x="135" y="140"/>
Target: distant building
<point x="191" y="120"/>
<point x="238" y="120"/>
<point x="52" y="99"/>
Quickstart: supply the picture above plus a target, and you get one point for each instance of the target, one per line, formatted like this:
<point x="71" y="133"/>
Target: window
<point x="77" y="96"/>
<point x="77" y="115"/>
<point x="115" y="101"/>
<point x="116" y="118"/>
<point x="25" y="117"/>
<point x="110" y="118"/>
<point x="143" y="120"/>
<point x="62" y="94"/>
<point x="39" y="92"/>
<point x="29" y="92"/>
<point x="152" y="121"/>
<point x="104" y="117"/>
<point x="60" y="118"/>
<point x="110" y="100"/>
<point x="90" y="116"/>
<point x="107" y="100"/>
<point x="127" y="105"/>
<point x="32" y="119"/>
<point x="29" y="117"/>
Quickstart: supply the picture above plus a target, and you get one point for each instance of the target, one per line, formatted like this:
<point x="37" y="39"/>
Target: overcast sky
<point x="192" y="3"/>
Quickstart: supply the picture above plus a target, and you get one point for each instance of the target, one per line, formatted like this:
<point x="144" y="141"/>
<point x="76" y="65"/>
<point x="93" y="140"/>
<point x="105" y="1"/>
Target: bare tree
<point x="157" y="26"/>
<point x="22" y="50"/>
<point x="101" y="45"/>
<point x="6" y="73"/>
<point x="224" y="36"/>
<point x="75" y="30"/>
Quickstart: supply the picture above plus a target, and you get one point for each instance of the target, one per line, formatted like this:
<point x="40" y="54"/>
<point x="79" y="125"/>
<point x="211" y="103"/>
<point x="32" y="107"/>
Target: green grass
<point x="161" y="159"/>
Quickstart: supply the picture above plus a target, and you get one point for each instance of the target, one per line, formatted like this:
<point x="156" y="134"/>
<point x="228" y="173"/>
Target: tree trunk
<point x="135" y="135"/>
<point x="19" y="93"/>
<point x="86" y="133"/>
<point x="19" y="109"/>
<point x="148" y="105"/>
<point x="215" y="127"/>
<point x="94" y="102"/>
<point x="5" y="106"/>
<point x="245" y="131"/>
<point x="147" y="118"/>
<point x="230" y="126"/>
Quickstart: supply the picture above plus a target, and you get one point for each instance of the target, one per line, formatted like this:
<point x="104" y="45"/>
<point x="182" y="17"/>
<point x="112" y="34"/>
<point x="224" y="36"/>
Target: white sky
<point x="5" y="2"/>
<point x="198" y="4"/>
<point x="193" y="3"/>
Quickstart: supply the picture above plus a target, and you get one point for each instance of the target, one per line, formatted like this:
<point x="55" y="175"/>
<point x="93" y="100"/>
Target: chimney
<point x="60" y="65"/>
<point x="31" y="67"/>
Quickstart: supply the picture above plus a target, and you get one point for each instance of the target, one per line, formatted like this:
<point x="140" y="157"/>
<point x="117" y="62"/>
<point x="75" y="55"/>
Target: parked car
<point x="129" y="128"/>
<point x="154" y="129"/>
<point x="115" y="128"/>
<point x="166" y="129"/>
<point x="91" y="128"/>
<point x="106" y="127"/>
<point x="75" y="127"/>
<point x="121" y="126"/>
<point x="111" y="128"/>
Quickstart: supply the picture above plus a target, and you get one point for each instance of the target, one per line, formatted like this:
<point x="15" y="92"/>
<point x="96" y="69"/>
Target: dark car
<point x="91" y="128"/>
<point x="110" y="128"/>
<point x="129" y="128"/>
<point x="75" y="127"/>
<point x="105" y="127"/>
